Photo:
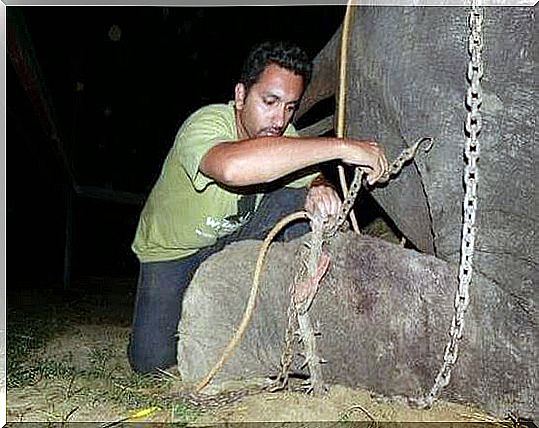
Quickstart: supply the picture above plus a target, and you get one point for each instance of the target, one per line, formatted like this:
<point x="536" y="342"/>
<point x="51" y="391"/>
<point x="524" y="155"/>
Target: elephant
<point x="381" y="315"/>
<point x="406" y="79"/>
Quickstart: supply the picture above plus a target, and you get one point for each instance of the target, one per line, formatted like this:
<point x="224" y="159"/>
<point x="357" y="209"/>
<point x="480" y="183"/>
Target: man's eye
<point x="291" y="108"/>
<point x="269" y="101"/>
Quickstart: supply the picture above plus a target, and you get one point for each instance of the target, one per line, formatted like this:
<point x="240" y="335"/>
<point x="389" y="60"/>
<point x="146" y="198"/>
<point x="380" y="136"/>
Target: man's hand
<point x="323" y="201"/>
<point x="369" y="156"/>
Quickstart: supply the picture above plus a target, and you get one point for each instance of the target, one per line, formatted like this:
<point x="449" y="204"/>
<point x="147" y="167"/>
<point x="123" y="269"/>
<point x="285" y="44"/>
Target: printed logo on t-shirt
<point x="225" y="226"/>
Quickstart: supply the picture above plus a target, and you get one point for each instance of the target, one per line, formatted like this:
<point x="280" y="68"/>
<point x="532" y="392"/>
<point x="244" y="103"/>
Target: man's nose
<point x="279" y="118"/>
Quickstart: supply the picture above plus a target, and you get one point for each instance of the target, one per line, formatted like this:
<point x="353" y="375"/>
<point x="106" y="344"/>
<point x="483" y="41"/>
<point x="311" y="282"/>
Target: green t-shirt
<point x="187" y="210"/>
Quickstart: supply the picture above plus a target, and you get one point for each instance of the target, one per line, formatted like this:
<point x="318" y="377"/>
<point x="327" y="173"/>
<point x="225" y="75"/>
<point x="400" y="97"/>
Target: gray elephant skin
<point x="383" y="313"/>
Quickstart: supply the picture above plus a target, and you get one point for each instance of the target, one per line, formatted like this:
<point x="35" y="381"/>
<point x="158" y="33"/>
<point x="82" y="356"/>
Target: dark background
<point x="117" y="106"/>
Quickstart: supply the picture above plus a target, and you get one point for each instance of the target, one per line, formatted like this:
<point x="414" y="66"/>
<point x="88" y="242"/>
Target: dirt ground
<point x="67" y="362"/>
<point x="54" y="398"/>
<point x="340" y="404"/>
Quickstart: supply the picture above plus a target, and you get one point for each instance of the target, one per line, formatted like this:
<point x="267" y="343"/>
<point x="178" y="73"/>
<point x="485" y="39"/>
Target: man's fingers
<point x="333" y="202"/>
<point x="309" y="204"/>
<point x="380" y="169"/>
<point x="386" y="164"/>
<point x="323" y="201"/>
<point x="322" y="208"/>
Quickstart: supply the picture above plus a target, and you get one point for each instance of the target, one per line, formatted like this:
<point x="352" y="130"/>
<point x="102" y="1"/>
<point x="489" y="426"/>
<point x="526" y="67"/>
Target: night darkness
<point x="118" y="100"/>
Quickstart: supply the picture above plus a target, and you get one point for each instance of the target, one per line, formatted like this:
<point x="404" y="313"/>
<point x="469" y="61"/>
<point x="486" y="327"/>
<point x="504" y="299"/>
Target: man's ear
<point x="239" y="95"/>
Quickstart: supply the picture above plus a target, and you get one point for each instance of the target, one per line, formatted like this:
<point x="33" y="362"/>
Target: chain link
<point x="287" y="354"/>
<point x="471" y="152"/>
<point x="309" y="256"/>
<point x="396" y="166"/>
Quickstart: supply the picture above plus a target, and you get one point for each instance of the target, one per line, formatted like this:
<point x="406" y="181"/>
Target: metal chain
<point x="471" y="151"/>
<point x="306" y="328"/>
<point x="287" y="354"/>
<point x="405" y="156"/>
<point x="322" y="232"/>
<point x="347" y="204"/>
<point x="396" y="166"/>
<point x="309" y="254"/>
<point x="228" y="397"/>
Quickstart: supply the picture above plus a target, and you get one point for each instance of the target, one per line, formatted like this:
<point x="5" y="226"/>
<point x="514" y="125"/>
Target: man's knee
<point x="145" y="359"/>
<point x="158" y="305"/>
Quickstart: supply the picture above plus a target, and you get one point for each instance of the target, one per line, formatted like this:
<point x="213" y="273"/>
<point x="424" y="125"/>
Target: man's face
<point x="267" y="108"/>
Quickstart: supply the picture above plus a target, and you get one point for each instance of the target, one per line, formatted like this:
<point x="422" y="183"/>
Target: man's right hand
<point x="368" y="155"/>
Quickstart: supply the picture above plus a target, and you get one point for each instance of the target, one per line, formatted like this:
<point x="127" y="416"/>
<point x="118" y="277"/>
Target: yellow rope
<point x="252" y="298"/>
<point x="342" y="102"/>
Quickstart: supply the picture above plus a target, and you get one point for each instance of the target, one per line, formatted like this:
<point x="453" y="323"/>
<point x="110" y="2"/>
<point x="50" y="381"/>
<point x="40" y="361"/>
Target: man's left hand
<point x="323" y="201"/>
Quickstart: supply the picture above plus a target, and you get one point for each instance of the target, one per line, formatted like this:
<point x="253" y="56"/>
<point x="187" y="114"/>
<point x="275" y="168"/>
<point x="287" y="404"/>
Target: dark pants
<point x="161" y="285"/>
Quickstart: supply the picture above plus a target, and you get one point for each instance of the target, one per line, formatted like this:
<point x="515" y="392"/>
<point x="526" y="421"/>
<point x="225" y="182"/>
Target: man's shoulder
<point x="217" y="110"/>
<point x="207" y="123"/>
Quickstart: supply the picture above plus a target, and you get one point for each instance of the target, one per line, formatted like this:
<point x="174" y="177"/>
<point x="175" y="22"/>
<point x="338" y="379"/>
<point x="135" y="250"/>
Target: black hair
<point x="282" y="53"/>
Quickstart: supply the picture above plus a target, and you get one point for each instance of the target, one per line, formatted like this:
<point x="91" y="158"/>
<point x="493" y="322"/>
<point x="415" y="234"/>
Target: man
<point x="222" y="154"/>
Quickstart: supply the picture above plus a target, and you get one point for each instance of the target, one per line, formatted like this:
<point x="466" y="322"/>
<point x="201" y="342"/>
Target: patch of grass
<point x="89" y="375"/>
<point x="137" y="391"/>
<point x="54" y="369"/>
<point x="100" y="383"/>
<point x="32" y="320"/>
<point x="179" y="413"/>
<point x="99" y="360"/>
<point x="24" y="338"/>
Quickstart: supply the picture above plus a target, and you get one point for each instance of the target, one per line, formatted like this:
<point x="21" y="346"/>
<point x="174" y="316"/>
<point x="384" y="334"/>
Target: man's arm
<point x="265" y="159"/>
